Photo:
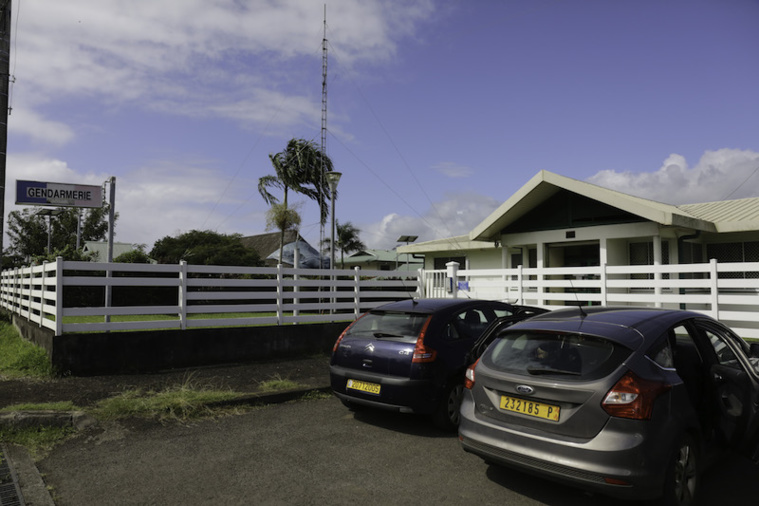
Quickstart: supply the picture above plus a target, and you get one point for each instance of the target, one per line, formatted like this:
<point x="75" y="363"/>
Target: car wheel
<point x="447" y="414"/>
<point x="682" y="475"/>
<point x="351" y="405"/>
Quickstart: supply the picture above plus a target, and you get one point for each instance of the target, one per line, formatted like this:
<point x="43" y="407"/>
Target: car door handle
<point x="367" y="363"/>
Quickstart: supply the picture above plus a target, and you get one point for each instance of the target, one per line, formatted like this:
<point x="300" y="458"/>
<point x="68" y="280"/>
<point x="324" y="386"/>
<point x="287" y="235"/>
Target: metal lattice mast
<point x="323" y="144"/>
<point x="5" y="46"/>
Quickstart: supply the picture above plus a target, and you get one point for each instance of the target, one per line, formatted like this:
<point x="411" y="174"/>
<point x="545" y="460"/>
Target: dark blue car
<point x="411" y="356"/>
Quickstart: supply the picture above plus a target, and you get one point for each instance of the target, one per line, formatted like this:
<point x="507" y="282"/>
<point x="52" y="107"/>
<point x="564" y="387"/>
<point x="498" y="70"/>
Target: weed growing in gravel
<point x="38" y="440"/>
<point x="41" y="406"/>
<point x="277" y="383"/>
<point x="180" y="402"/>
<point x="19" y="357"/>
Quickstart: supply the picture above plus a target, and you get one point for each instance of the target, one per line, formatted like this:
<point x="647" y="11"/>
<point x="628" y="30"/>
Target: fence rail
<point x="190" y="296"/>
<point x="726" y="291"/>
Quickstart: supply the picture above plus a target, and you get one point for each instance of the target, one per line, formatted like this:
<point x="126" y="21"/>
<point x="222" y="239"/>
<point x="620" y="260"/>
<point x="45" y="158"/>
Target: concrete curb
<point x="24" y="419"/>
<point x="81" y="420"/>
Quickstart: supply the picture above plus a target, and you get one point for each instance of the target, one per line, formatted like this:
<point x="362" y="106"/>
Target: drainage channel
<point x="10" y="494"/>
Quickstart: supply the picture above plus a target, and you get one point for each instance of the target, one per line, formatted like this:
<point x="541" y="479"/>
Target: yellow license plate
<point x="363" y="386"/>
<point x="532" y="408"/>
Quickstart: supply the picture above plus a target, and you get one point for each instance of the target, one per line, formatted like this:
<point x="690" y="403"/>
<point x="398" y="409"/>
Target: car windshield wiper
<point x="386" y="334"/>
<point x="549" y="370"/>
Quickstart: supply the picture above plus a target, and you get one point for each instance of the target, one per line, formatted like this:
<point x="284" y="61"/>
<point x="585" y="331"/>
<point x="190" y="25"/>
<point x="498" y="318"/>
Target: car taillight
<point x="633" y="397"/>
<point x="342" y="335"/>
<point x="423" y="353"/>
<point x="469" y="376"/>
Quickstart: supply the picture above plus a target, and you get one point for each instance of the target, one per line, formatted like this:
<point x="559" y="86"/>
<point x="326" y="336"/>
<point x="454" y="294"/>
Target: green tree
<point x="204" y="248"/>
<point x="136" y="256"/>
<point x="299" y="168"/>
<point x="28" y="231"/>
<point x="282" y="218"/>
<point x="346" y="240"/>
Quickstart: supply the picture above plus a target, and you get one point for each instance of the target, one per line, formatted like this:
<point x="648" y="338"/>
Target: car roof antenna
<point x="583" y="314"/>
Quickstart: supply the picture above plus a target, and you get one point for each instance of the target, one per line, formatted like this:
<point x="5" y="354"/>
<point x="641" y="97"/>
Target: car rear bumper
<point x="618" y="463"/>
<point x="396" y="393"/>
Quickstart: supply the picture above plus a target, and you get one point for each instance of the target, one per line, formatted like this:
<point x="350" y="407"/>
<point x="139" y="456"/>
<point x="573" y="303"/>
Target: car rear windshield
<point x="387" y="324"/>
<point x="570" y="356"/>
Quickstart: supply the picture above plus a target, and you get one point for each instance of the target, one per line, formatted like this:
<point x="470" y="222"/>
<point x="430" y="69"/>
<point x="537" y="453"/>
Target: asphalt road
<point x="310" y="452"/>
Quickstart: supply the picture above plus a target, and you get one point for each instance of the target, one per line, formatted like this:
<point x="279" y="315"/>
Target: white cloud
<point x="456" y="215"/>
<point x="28" y="122"/>
<point x="195" y="56"/>
<point x="719" y="175"/>
<point x="453" y="170"/>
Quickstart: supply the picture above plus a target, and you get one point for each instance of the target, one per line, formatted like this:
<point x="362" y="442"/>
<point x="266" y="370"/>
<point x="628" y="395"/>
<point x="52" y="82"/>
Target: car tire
<point x="682" y="478"/>
<point x="446" y="416"/>
<point x="351" y="405"/>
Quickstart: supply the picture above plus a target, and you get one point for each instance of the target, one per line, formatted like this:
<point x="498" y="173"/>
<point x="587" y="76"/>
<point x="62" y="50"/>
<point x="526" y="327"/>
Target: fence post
<point x="59" y="296"/>
<point x="43" y="286"/>
<point x="356" y="292"/>
<point x="183" y="295"/>
<point x="16" y="298"/>
<point x="604" y="287"/>
<point x="452" y="278"/>
<point x="296" y="277"/>
<point x="29" y="294"/>
<point x="280" y="315"/>
<point x="420" y="284"/>
<point x="520" y="284"/>
<point x="714" y="288"/>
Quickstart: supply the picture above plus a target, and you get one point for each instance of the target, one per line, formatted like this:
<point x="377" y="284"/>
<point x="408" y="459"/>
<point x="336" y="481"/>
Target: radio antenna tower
<point x="5" y="77"/>
<point x="323" y="144"/>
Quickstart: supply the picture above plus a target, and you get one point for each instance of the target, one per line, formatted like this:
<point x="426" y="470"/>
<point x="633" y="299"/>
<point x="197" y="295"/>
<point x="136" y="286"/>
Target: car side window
<point x="501" y="312"/>
<point x="472" y="322"/>
<point x="725" y="355"/>
<point x="450" y="332"/>
<point x="662" y="353"/>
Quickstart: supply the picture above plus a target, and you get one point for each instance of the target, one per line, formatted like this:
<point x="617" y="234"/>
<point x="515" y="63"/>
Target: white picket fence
<point x="213" y="296"/>
<point x="726" y="291"/>
<point x="206" y="296"/>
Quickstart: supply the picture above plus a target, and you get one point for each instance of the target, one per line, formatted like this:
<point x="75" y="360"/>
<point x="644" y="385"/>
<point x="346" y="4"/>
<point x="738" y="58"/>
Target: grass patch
<point x="277" y="383"/>
<point x="20" y="358"/>
<point x="36" y="439"/>
<point x="182" y="402"/>
<point x="43" y="406"/>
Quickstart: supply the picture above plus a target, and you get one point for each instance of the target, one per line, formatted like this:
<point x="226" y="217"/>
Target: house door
<point x="574" y="255"/>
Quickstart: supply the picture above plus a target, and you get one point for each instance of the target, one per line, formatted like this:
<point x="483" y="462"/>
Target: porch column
<point x="541" y="277"/>
<point x="657" y="271"/>
<point x="505" y="265"/>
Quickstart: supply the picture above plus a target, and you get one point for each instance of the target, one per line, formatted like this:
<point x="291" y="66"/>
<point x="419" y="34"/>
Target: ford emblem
<point x="525" y="389"/>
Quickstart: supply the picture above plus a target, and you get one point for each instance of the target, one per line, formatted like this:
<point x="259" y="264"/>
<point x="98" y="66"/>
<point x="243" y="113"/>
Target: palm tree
<point x="346" y="240"/>
<point x="300" y="168"/>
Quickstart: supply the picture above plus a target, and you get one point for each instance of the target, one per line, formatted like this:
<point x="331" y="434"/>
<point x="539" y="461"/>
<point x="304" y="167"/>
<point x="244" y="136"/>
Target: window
<point x="441" y="261"/>
<point x="725" y="355"/>
<point x="473" y="322"/>
<point x="569" y="356"/>
<point x="735" y="252"/>
<point x="642" y="253"/>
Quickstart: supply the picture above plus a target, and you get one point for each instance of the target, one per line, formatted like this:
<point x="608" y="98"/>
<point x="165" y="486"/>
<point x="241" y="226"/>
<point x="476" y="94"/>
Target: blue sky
<point x="438" y="110"/>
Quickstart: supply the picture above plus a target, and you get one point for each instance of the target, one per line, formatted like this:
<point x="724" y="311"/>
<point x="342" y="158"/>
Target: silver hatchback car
<point x="626" y="402"/>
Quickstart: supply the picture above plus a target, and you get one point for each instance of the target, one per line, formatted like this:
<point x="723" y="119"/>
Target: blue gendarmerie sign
<point x="38" y="193"/>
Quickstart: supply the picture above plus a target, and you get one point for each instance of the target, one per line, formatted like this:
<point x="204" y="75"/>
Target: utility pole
<point x="323" y="145"/>
<point x="5" y="75"/>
